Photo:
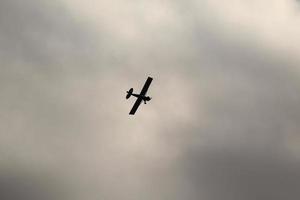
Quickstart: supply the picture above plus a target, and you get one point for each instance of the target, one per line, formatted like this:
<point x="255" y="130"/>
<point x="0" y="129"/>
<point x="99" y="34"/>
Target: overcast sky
<point x="223" y="122"/>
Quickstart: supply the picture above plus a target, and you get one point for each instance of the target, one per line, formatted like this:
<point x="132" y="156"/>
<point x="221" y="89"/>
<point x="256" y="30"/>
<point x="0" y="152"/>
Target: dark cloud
<point x="239" y="175"/>
<point x="42" y="34"/>
<point x="26" y="184"/>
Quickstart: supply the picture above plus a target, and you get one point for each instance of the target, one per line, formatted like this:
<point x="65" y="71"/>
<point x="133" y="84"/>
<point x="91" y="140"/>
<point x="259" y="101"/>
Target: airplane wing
<point x="143" y="93"/>
<point x="135" y="106"/>
<point x="146" y="86"/>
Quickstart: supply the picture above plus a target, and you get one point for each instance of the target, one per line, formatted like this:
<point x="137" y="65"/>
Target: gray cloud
<point x="223" y="122"/>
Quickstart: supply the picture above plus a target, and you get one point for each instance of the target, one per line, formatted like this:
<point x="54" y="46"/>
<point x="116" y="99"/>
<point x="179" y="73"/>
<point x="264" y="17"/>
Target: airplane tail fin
<point x="129" y="93"/>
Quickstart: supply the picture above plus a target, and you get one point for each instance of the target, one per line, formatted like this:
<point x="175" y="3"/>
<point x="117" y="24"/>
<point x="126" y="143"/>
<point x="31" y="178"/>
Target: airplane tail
<point x="129" y="93"/>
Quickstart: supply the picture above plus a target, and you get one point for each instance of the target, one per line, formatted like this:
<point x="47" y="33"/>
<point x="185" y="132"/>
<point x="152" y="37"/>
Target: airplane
<point x="140" y="97"/>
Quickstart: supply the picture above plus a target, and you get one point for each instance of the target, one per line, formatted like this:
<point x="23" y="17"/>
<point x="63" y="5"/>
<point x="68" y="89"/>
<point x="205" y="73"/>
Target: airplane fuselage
<point x="145" y="98"/>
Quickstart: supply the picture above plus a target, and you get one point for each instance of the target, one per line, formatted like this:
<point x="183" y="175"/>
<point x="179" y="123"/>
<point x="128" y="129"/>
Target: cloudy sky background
<point x="223" y="122"/>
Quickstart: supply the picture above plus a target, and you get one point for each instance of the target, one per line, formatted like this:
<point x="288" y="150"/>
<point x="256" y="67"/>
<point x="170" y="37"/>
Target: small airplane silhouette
<point x="140" y="97"/>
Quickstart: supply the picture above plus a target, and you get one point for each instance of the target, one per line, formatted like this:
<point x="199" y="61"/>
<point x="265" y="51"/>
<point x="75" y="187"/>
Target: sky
<point x="223" y="122"/>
